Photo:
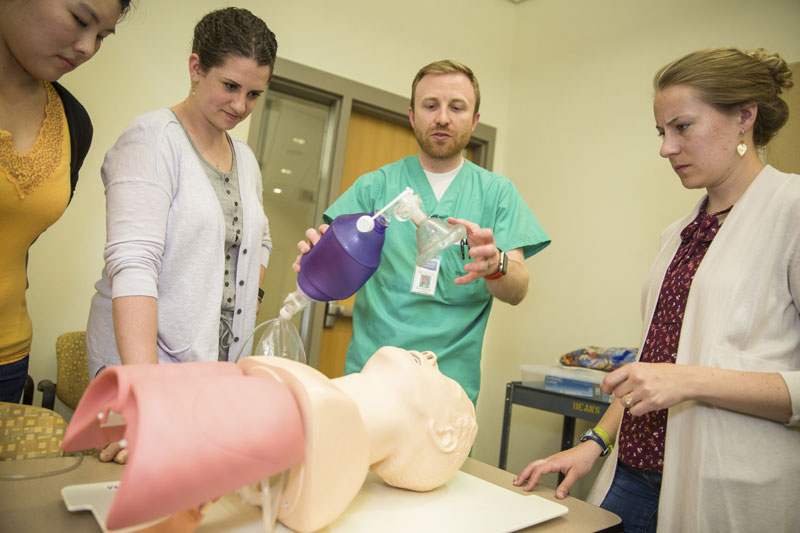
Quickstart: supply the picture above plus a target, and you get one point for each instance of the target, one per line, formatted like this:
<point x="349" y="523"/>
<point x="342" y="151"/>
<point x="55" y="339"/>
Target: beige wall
<point x="567" y="84"/>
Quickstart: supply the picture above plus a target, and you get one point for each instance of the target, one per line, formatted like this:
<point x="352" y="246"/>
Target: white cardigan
<point x="725" y="471"/>
<point x="165" y="239"/>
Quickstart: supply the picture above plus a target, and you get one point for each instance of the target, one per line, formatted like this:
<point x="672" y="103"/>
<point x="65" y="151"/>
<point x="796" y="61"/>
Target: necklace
<point x="28" y="171"/>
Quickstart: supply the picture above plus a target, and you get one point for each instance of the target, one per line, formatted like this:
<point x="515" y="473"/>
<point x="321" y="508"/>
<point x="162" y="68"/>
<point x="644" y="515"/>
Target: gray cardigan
<point x="165" y="239"/>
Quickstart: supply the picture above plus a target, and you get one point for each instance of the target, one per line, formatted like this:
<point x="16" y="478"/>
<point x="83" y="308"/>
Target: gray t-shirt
<point x="226" y="187"/>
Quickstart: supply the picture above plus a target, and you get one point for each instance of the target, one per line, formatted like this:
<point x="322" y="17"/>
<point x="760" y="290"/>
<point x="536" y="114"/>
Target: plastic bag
<point x="599" y="358"/>
<point x="279" y="338"/>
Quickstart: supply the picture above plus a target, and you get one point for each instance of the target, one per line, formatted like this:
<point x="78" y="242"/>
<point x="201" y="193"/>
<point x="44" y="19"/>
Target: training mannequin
<point x="399" y="416"/>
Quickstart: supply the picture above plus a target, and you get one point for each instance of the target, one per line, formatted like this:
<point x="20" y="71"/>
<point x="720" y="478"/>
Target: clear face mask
<point x="433" y="235"/>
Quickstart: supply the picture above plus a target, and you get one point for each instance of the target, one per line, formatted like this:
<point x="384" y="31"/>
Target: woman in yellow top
<point x="45" y="134"/>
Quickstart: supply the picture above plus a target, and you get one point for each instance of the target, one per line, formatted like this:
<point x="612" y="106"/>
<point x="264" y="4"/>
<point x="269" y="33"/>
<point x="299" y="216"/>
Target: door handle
<point x="334" y="309"/>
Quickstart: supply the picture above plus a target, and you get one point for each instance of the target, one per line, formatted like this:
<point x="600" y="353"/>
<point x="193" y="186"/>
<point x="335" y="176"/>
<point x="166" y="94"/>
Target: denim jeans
<point x="633" y="496"/>
<point x="12" y="380"/>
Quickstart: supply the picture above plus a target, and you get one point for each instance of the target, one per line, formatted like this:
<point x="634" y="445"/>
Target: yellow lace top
<point x="34" y="192"/>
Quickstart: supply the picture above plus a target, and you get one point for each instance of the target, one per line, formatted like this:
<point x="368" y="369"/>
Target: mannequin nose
<point x="430" y="358"/>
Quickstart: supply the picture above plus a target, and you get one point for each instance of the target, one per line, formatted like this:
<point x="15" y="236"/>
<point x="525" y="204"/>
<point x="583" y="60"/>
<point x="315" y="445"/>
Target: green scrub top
<point x="452" y="322"/>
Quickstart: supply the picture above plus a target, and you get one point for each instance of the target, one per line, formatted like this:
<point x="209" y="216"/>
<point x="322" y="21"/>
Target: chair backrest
<point x="72" y="374"/>
<point x="28" y="431"/>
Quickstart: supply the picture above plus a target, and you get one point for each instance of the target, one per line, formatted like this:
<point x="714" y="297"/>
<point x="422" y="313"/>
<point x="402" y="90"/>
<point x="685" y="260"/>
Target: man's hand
<point x="313" y="237"/>
<point x="482" y="249"/>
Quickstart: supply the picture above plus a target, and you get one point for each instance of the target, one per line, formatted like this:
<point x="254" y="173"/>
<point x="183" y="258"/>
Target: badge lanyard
<point x="425" y="277"/>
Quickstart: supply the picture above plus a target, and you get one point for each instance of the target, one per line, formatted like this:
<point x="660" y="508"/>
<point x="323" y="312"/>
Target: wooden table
<point x="35" y="504"/>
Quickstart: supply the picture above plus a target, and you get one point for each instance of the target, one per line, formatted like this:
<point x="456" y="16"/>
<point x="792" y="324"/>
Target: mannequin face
<point x="415" y="378"/>
<point x="406" y="368"/>
<point x="437" y="416"/>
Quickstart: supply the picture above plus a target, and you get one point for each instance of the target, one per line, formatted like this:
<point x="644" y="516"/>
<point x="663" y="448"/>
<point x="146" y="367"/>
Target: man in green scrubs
<point x="444" y="306"/>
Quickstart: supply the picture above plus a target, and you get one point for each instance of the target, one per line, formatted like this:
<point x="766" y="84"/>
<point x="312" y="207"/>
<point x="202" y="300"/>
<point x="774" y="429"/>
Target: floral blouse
<point x="641" y="439"/>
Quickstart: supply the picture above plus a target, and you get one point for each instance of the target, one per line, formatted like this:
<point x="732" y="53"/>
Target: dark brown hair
<point x="233" y="32"/>
<point x="124" y="7"/>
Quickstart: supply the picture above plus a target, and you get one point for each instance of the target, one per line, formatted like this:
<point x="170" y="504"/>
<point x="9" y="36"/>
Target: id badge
<point x="425" y="277"/>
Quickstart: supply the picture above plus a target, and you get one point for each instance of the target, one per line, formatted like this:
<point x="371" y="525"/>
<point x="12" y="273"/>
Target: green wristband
<point x="603" y="434"/>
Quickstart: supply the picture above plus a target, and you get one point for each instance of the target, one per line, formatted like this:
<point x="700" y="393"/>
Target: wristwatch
<point x="502" y="268"/>
<point x="591" y="435"/>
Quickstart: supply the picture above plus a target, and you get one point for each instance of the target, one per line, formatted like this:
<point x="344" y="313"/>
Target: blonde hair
<point x="728" y="78"/>
<point x="448" y="66"/>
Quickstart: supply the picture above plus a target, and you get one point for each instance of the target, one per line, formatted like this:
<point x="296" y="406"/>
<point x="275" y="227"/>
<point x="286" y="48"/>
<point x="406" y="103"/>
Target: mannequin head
<point x="434" y="418"/>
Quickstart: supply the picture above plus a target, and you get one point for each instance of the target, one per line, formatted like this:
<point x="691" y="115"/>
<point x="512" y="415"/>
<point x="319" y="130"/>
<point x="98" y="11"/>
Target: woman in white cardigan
<point x="703" y="433"/>
<point x="187" y="238"/>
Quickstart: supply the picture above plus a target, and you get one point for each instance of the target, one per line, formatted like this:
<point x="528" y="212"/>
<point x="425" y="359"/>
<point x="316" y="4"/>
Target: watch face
<point x="504" y="264"/>
<point x="589" y="435"/>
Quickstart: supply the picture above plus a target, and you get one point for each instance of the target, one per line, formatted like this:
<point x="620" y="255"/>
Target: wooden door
<point x="371" y="143"/>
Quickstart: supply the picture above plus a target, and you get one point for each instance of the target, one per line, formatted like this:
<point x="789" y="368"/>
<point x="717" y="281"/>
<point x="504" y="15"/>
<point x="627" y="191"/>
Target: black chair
<point x="27" y="391"/>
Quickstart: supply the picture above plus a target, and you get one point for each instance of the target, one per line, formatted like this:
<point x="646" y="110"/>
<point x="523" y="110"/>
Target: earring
<point x="193" y="88"/>
<point x="742" y="147"/>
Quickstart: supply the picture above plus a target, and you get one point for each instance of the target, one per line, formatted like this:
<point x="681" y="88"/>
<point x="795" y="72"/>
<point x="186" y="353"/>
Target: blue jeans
<point x="633" y="496"/>
<point x="12" y="380"/>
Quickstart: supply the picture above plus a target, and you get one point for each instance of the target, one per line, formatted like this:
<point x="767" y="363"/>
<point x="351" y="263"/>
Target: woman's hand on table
<point x="573" y="463"/>
<point x="114" y="452"/>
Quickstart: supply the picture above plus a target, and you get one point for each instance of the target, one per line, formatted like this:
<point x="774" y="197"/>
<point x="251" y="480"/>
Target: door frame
<point x="344" y="96"/>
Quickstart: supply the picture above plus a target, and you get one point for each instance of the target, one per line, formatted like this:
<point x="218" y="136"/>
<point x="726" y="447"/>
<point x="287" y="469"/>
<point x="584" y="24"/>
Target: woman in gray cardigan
<point x="187" y="238"/>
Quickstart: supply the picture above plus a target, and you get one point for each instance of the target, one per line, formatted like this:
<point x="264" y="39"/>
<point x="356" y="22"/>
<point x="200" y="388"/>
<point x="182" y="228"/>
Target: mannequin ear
<point x="444" y="436"/>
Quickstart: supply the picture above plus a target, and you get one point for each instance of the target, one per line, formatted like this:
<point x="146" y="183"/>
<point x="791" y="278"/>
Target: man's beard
<point x="455" y="144"/>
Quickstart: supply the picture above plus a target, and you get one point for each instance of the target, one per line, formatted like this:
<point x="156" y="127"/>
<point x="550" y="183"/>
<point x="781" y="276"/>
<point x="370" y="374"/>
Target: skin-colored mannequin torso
<point x="411" y="424"/>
